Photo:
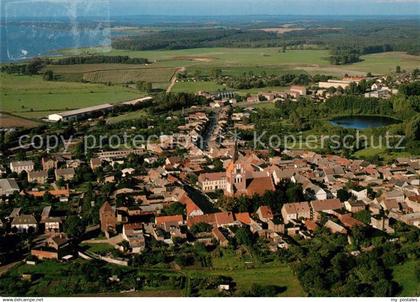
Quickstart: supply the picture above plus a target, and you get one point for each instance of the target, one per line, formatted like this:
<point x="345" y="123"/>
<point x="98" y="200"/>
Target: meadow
<point x="33" y="97"/>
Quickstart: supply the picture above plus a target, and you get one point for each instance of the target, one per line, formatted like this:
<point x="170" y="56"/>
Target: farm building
<point x="74" y="115"/>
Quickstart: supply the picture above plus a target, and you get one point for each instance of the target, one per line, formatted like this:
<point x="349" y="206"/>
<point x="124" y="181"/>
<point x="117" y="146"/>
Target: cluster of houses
<point x="324" y="90"/>
<point x="393" y="194"/>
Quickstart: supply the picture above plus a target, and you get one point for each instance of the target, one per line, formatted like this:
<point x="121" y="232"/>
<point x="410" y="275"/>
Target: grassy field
<point x="194" y="87"/>
<point x="33" y="97"/>
<point x="313" y="61"/>
<point x="405" y="275"/>
<point x="128" y="116"/>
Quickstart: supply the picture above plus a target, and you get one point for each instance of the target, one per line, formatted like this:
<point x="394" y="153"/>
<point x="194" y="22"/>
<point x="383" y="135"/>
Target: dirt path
<point x="173" y="79"/>
<point x="5" y="268"/>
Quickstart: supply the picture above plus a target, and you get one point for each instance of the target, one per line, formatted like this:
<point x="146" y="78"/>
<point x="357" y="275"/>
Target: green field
<point x="405" y="275"/>
<point x="313" y="61"/>
<point x="194" y="87"/>
<point x="128" y="116"/>
<point x="33" y="97"/>
<point x="113" y="73"/>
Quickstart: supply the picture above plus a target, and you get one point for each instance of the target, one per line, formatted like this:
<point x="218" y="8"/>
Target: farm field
<point x="10" y="121"/>
<point x="35" y="97"/>
<point x="312" y="61"/>
<point x="112" y="73"/>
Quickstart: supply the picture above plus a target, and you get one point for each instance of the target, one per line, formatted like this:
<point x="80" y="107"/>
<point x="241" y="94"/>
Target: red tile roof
<point x="243" y="217"/>
<point x="224" y="218"/>
<point x="266" y="212"/>
<point x="260" y="185"/>
<point x="169" y="219"/>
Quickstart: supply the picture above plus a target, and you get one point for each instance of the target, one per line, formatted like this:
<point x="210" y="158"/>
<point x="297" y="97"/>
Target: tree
<point x="343" y="195"/>
<point x="74" y="226"/>
<point x="398" y="69"/>
<point x="244" y="236"/>
<point x="48" y="75"/>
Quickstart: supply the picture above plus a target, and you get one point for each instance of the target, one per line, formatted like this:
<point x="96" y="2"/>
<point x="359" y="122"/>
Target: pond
<point x="362" y="122"/>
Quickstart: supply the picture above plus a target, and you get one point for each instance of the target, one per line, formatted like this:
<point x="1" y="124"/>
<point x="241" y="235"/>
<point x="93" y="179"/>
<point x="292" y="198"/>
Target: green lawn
<point x="128" y="116"/>
<point x="405" y="275"/>
<point x="27" y="95"/>
<point x="272" y="274"/>
<point x="100" y="248"/>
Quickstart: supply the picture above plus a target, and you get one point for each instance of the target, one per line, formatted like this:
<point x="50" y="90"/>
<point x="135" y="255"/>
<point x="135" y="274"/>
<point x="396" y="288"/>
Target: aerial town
<point x="157" y="150"/>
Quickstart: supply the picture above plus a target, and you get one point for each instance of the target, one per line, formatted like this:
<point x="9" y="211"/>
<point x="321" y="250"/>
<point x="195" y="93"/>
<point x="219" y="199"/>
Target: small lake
<point x="362" y="122"/>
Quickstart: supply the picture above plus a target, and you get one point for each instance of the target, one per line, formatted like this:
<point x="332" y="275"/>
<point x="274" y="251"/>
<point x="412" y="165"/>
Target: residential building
<point x="265" y="214"/>
<point x="66" y="174"/>
<point x="25" y="223"/>
<point x="40" y="177"/>
<point x="210" y="182"/>
<point x="20" y="166"/>
<point x="295" y="210"/>
<point x="8" y="186"/>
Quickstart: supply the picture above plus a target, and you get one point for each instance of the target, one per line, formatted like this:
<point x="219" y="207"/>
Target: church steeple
<point x="236" y="152"/>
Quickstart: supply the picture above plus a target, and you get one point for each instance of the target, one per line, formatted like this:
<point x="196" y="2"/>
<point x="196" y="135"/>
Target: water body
<point x="362" y="122"/>
<point x="24" y="40"/>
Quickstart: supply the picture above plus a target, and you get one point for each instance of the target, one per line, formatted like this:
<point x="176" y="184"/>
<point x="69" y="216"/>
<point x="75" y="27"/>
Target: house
<point x="296" y="210"/>
<point x="48" y="163"/>
<point x="20" y="166"/>
<point x="52" y="224"/>
<point x="40" y="177"/>
<point x="95" y="163"/>
<point x="335" y="228"/>
<point x="8" y="186"/>
<point x="413" y="202"/>
<point x="78" y="114"/>
<point x="25" y="223"/>
<point x="348" y="221"/>
<point x="297" y="91"/>
<point x="166" y="222"/>
<point x="107" y="217"/>
<point x="243" y="218"/>
<point x="265" y="214"/>
<point x="412" y="219"/>
<point x="359" y="194"/>
<point x="354" y="206"/>
<point x="325" y="206"/>
<point x="224" y="219"/>
<point x="390" y="204"/>
<point x="133" y="233"/>
<point x="56" y="247"/>
<point x="66" y="174"/>
<point x="210" y="182"/>
<point x="220" y="237"/>
<point x="396" y="195"/>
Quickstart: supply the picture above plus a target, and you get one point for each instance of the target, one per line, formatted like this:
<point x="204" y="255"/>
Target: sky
<point x="42" y="8"/>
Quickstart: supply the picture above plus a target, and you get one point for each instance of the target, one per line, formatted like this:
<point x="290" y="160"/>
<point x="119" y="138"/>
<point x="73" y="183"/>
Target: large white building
<point x="74" y="115"/>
